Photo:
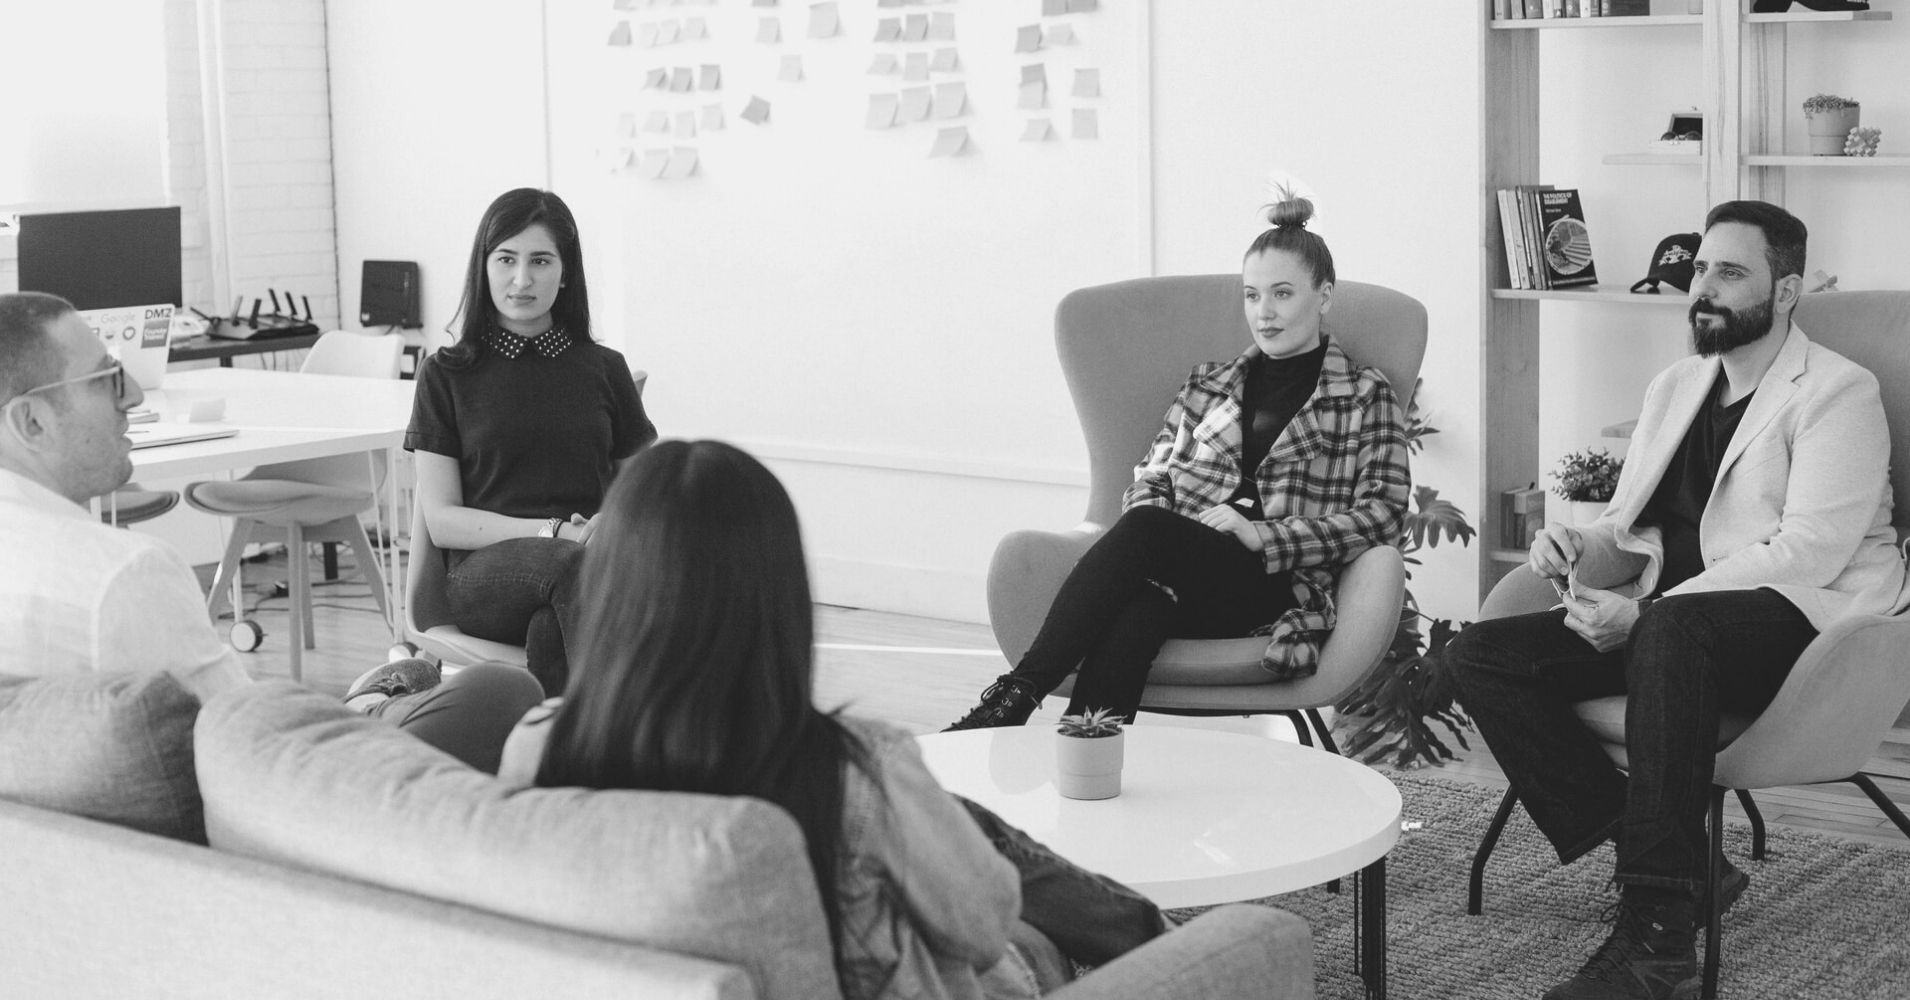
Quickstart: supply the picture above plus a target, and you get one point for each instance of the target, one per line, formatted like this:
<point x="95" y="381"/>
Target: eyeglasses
<point x="115" y="370"/>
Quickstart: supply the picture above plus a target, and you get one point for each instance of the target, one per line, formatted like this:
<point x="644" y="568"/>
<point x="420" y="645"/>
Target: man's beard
<point x="1734" y="329"/>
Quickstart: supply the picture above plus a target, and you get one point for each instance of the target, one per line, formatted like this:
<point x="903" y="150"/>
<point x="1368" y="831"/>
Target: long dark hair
<point x="511" y="213"/>
<point x="693" y="669"/>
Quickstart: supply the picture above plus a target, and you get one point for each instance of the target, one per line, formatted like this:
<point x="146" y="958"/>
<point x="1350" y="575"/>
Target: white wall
<point x="877" y="324"/>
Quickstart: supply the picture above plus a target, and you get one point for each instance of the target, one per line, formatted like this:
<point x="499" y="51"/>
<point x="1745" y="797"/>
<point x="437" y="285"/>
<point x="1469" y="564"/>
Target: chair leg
<point x="368" y="564"/>
<point x="1475" y="886"/>
<point x="220" y="596"/>
<point x="1716" y="875"/>
<point x="1862" y="780"/>
<point x="1757" y="824"/>
<point x="1299" y="725"/>
<point x="1326" y="735"/>
<point x="299" y="594"/>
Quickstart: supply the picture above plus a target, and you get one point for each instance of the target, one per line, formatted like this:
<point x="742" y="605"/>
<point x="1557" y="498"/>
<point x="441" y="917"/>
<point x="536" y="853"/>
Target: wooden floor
<point x="921" y="674"/>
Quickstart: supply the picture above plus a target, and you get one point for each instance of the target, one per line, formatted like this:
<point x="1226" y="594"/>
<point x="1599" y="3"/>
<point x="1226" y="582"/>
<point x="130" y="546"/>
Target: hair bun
<point x="1292" y="210"/>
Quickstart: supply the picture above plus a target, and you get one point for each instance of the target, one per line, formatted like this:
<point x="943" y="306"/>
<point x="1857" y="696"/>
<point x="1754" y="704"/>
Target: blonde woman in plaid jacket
<point x="1270" y="473"/>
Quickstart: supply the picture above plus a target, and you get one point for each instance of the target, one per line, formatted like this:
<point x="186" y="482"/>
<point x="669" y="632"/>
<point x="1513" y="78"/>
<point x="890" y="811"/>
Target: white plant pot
<point x="1089" y="767"/>
<point x="1585" y="512"/>
<point x="1828" y="129"/>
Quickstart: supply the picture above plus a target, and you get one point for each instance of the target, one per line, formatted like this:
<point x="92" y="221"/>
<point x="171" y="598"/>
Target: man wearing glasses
<point x="78" y="595"/>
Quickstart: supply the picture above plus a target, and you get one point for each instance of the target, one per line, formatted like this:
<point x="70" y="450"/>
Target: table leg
<point x="1369" y="930"/>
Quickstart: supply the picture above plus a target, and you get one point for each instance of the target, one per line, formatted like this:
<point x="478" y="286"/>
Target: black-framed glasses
<point x="115" y="370"/>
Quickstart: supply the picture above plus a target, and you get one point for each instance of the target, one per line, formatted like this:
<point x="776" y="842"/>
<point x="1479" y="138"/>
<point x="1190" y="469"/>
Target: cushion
<point x="112" y="747"/>
<point x="294" y="777"/>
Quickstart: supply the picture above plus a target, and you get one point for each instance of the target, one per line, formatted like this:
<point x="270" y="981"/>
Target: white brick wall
<point x="279" y="230"/>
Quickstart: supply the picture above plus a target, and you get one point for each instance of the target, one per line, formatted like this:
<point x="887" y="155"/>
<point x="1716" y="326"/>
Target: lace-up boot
<point x="1649" y="956"/>
<point x="1007" y="702"/>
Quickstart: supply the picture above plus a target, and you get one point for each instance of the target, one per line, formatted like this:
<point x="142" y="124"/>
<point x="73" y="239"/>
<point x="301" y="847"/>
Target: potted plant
<point x="1829" y="119"/>
<point x="1088" y="755"/>
<point x="1392" y="713"/>
<point x="1587" y="479"/>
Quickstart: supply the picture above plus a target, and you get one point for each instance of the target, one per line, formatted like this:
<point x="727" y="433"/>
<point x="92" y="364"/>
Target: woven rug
<point x="1824" y="918"/>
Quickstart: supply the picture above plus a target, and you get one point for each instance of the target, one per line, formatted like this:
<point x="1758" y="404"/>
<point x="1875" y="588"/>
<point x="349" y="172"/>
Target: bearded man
<point x="1754" y="510"/>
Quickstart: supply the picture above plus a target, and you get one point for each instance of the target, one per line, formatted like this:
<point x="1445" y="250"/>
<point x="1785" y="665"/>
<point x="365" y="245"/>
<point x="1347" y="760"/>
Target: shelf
<point x="1596" y="293"/>
<point x="1807" y="160"/>
<point x="1789" y="17"/>
<point x="1653" y="159"/>
<point x="1634" y="21"/>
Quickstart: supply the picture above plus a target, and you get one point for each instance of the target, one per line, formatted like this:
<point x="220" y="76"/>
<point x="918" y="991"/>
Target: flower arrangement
<point x="1091" y="724"/>
<point x="1588" y="476"/>
<point x="1820" y="103"/>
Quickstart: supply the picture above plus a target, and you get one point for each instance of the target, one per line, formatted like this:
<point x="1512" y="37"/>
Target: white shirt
<point x="77" y="595"/>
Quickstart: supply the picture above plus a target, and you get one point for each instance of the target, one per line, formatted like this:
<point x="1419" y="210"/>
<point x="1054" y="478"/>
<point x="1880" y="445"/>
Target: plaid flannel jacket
<point x="1333" y="485"/>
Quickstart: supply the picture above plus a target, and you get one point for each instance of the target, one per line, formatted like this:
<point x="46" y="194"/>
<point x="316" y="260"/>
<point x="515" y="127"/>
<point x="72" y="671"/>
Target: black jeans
<point x="522" y="591"/>
<point x="469" y="715"/>
<point x="1115" y="609"/>
<point x="1690" y="658"/>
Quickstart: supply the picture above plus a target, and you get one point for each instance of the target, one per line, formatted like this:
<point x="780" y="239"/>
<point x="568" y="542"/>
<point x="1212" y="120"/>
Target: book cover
<point x="1565" y="245"/>
<point x="1514" y="240"/>
<point x="1529" y="223"/>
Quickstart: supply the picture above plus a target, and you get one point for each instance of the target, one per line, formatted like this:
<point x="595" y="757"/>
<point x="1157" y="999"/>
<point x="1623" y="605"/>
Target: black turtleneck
<point x="1273" y="391"/>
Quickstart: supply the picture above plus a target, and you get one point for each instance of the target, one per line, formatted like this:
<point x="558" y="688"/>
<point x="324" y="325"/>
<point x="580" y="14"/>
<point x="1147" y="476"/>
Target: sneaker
<point x="1007" y="702"/>
<point x="407" y="676"/>
<point x="1649" y="956"/>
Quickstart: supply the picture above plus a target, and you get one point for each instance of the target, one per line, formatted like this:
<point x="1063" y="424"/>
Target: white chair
<point x="313" y="500"/>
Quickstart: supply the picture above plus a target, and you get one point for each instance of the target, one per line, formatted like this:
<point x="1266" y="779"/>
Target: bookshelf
<point x="1751" y="144"/>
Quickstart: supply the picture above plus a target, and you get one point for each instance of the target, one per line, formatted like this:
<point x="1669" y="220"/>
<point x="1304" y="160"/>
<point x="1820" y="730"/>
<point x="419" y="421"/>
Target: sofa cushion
<point x="294" y="777"/>
<point x="111" y="747"/>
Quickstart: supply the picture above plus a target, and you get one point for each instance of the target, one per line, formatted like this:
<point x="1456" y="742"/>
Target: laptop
<point x="152" y="435"/>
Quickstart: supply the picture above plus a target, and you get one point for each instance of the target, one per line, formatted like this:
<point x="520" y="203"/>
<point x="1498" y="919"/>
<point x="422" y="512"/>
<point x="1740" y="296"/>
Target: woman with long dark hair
<point x="694" y="673"/>
<point x="1271" y="472"/>
<point x="518" y="428"/>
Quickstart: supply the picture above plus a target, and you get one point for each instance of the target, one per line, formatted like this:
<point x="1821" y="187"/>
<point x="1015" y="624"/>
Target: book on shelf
<point x="1565" y="245"/>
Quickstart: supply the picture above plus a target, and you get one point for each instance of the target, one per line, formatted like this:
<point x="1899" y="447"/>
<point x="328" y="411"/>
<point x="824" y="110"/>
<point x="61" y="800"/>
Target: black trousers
<point x="1690" y="658"/>
<point x="1153" y="576"/>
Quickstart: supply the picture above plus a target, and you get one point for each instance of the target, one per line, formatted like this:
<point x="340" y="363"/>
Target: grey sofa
<point x="348" y="860"/>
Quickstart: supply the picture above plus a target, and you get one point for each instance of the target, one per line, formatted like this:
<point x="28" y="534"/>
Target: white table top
<point x="280" y="416"/>
<point x="1203" y="817"/>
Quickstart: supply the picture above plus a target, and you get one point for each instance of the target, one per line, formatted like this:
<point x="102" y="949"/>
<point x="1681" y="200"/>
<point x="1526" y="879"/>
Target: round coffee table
<point x="1203" y="817"/>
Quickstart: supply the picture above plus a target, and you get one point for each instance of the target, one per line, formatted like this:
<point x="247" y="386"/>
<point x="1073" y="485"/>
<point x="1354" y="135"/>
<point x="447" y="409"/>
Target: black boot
<point x="1007" y="702"/>
<point x="1649" y="956"/>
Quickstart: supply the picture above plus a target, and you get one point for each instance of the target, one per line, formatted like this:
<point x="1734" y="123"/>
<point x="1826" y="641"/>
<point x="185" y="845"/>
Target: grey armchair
<point x="1126" y="348"/>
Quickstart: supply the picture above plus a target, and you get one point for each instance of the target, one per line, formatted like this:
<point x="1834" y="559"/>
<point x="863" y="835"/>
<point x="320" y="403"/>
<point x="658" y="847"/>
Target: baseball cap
<point x="1671" y="263"/>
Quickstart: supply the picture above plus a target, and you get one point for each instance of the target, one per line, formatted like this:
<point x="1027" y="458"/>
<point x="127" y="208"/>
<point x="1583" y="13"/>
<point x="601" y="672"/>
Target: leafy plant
<point x="1827" y="102"/>
<point x="1091" y="724"/>
<point x="1392" y="713"/>
<point x="1590" y="475"/>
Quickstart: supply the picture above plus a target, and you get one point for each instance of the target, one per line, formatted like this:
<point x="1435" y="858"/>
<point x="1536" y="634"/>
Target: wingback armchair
<point x="1125" y="349"/>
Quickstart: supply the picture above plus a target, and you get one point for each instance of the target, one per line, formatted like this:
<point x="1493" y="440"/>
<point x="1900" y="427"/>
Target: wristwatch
<point x="549" y="530"/>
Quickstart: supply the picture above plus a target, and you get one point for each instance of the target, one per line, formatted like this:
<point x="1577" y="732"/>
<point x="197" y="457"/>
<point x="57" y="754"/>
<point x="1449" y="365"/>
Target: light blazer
<point x="1802" y="500"/>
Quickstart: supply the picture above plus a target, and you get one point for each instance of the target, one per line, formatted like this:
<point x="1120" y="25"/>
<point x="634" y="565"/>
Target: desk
<point x="1203" y="817"/>
<point x="205" y="347"/>
<point x="284" y="417"/>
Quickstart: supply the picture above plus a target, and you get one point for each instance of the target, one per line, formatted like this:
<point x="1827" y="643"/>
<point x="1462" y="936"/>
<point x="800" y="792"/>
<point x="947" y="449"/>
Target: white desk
<point x="285" y="417"/>
<point x="1203" y="817"/>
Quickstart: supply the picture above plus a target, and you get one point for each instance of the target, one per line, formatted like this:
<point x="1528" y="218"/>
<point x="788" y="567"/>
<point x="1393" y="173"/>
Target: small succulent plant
<point x="1091" y="724"/>
<point x="1589" y="475"/>
<point x="1827" y="102"/>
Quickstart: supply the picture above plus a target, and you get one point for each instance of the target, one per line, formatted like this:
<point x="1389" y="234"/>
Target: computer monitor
<point x="119" y="268"/>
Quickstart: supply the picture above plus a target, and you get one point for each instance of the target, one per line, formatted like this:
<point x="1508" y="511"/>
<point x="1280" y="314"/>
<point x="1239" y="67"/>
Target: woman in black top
<point x="518" y="429"/>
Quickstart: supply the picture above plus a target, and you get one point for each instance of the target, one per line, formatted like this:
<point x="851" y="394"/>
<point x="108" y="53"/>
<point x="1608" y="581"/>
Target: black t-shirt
<point x="1677" y="505"/>
<point x="1272" y="393"/>
<point x="534" y="436"/>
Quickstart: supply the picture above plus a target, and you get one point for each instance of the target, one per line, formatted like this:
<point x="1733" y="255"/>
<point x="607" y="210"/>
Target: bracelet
<point x="549" y="530"/>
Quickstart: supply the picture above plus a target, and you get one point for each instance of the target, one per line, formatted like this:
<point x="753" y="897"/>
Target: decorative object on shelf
<point x="1826" y="282"/>
<point x="1829" y="119"/>
<point x="1587" y="480"/>
<point x="1862" y="141"/>
<point x="1521" y="512"/>
<point x="1670" y="264"/>
<point x="1088" y="755"/>
<point x="1391" y="714"/>
<point x="1780" y="6"/>
<point x="1684" y="133"/>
